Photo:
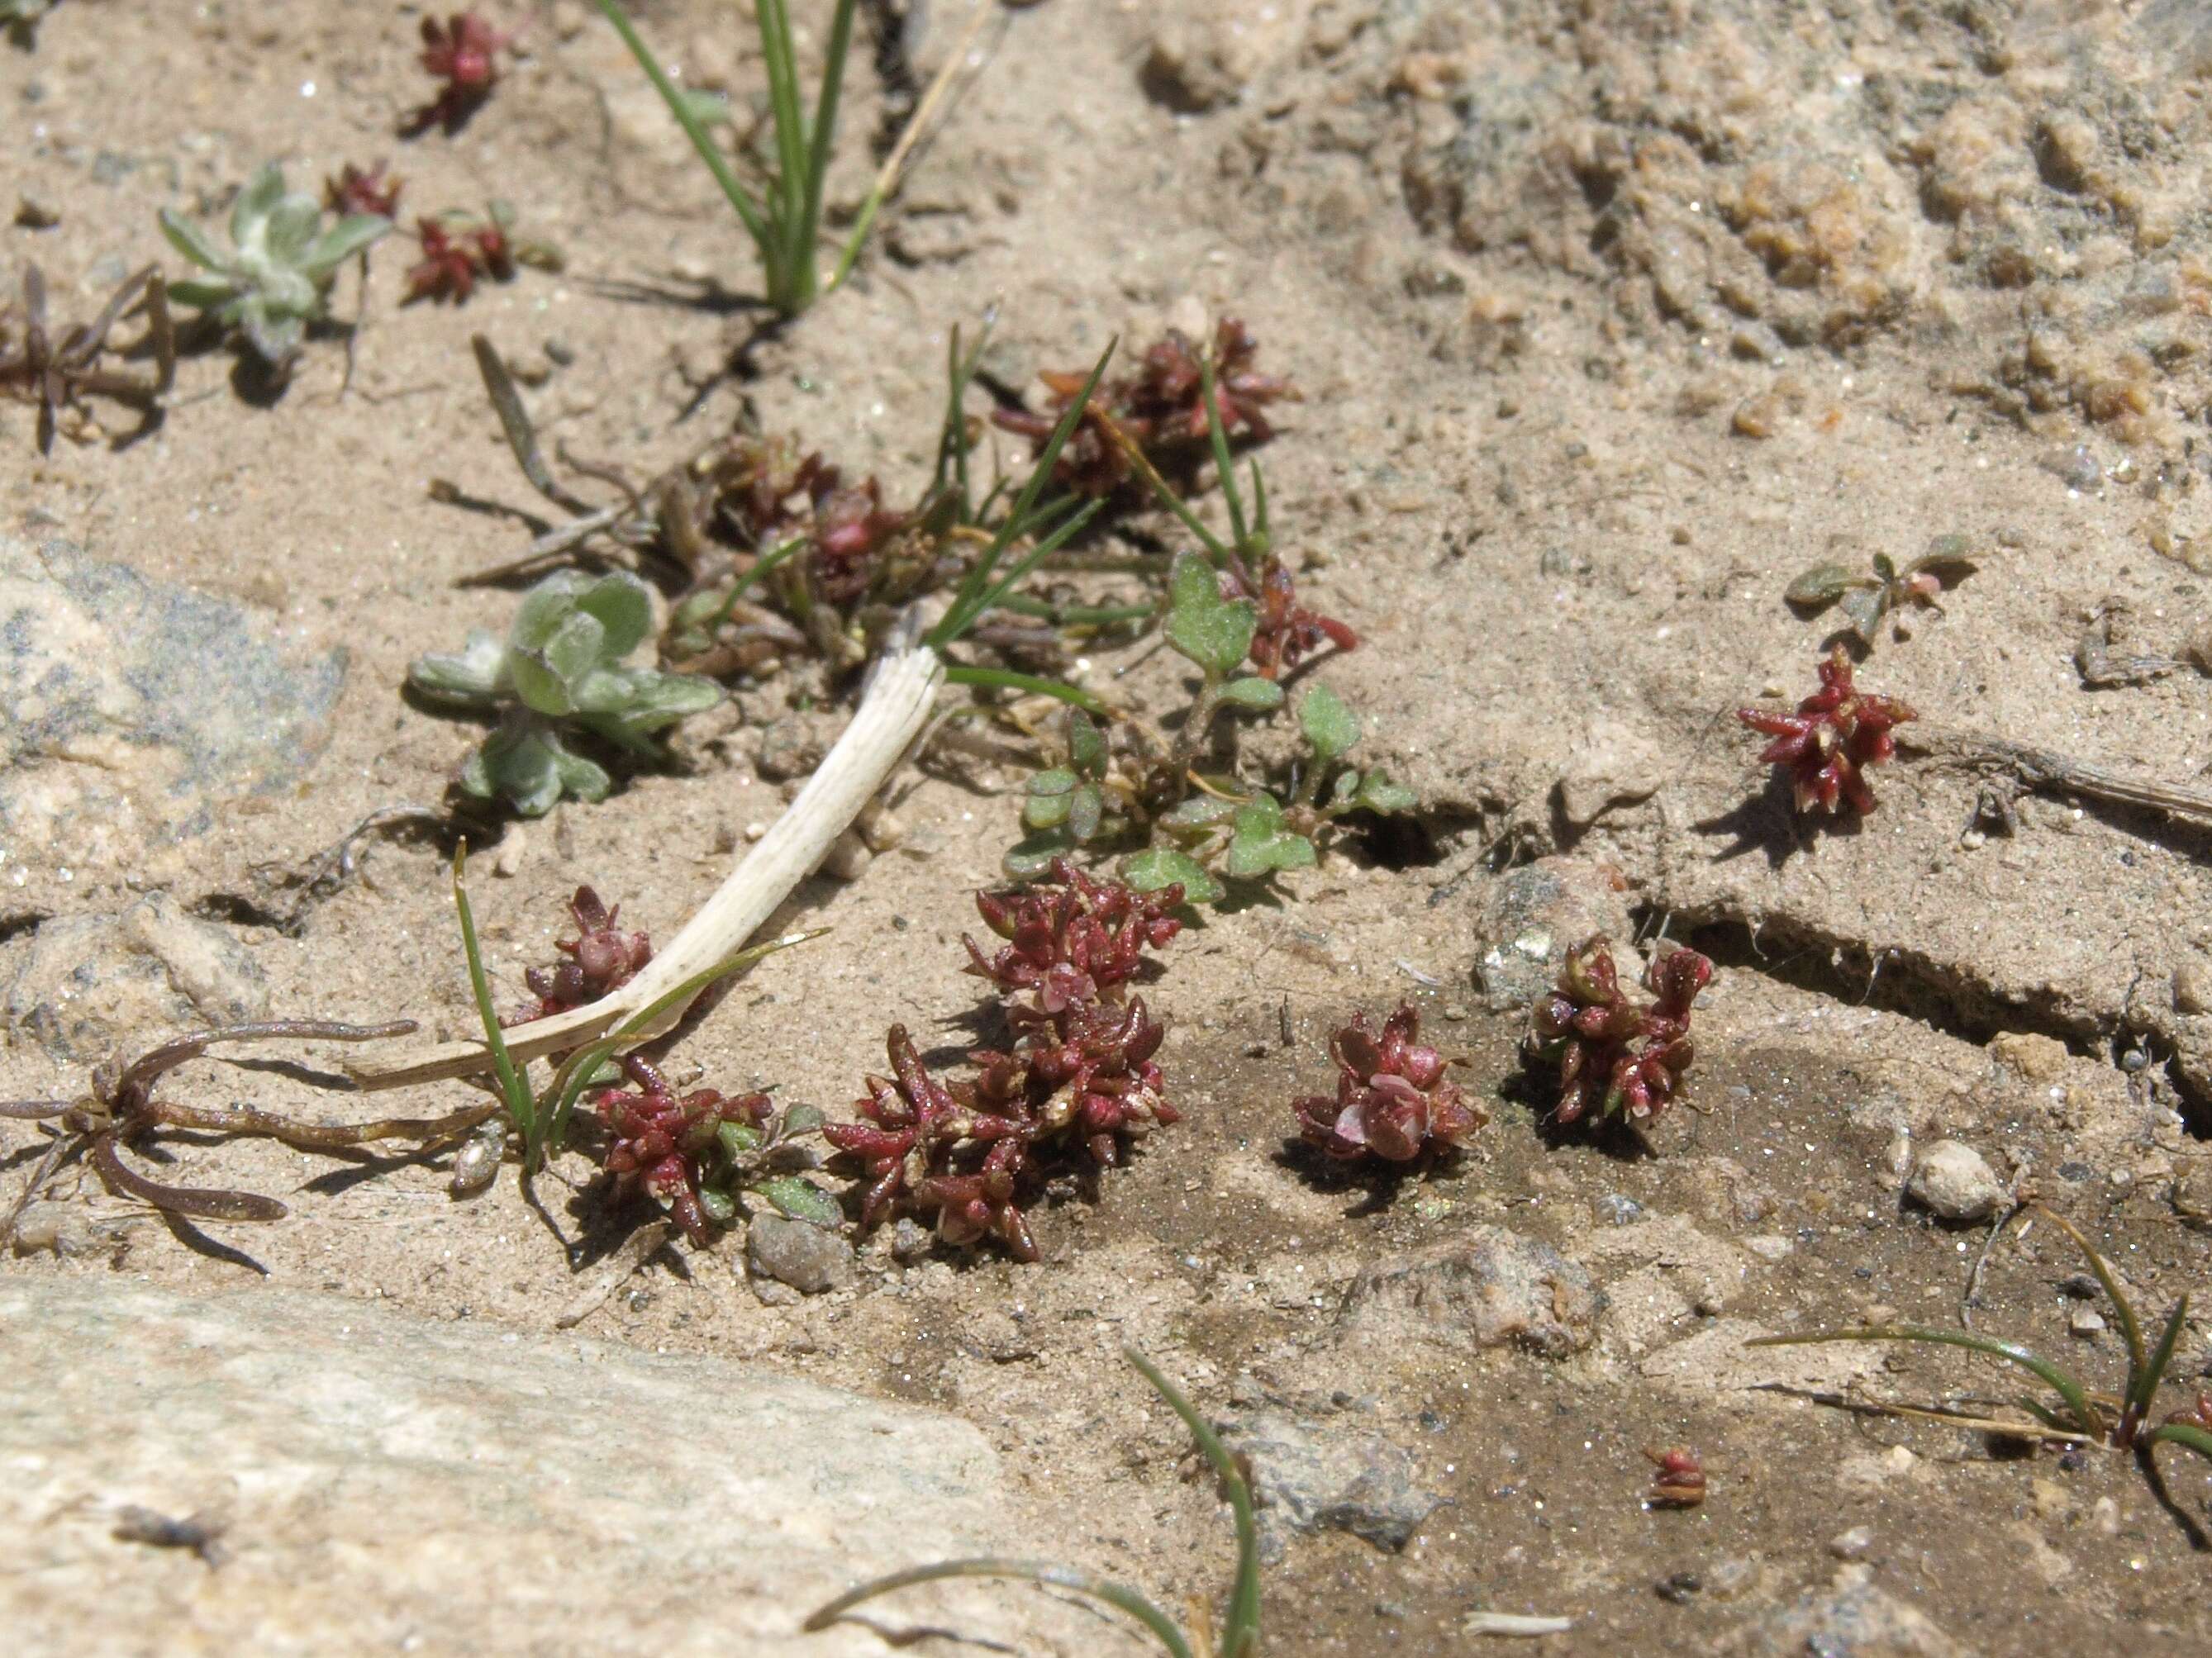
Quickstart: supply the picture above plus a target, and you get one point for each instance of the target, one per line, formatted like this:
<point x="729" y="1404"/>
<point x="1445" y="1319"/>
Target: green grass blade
<point x="576" y="1072"/>
<point x="965" y="609"/>
<point x="2143" y="1385"/>
<point x="824" y="133"/>
<point x="1224" y="464"/>
<point x="1028" y="1572"/>
<point x="1262" y="538"/>
<point x="762" y="566"/>
<point x="521" y="1105"/>
<point x="1005" y="679"/>
<point x="2183" y="1434"/>
<point x="1068" y="528"/>
<point x="788" y="117"/>
<point x="694" y="128"/>
<point x="952" y="435"/>
<point x="2076" y="1396"/>
<point x="2131" y="1328"/>
<point x="1240" y="1634"/>
<point x="1142" y="464"/>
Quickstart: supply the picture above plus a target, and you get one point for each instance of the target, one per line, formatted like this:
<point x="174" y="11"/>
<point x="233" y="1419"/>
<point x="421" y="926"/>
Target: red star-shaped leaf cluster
<point x="657" y="1139"/>
<point x="1078" y="1077"/>
<point x="1615" y="1056"/>
<point x="1835" y="735"/>
<point x="354" y="190"/>
<point x="602" y="958"/>
<point x="463" y="52"/>
<point x="1392" y="1099"/>
<point x="1160" y="408"/>
<point x="1284" y="630"/>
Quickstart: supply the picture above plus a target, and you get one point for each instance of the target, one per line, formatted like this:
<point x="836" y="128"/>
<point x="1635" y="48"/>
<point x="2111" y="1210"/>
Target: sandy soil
<point x="1607" y="326"/>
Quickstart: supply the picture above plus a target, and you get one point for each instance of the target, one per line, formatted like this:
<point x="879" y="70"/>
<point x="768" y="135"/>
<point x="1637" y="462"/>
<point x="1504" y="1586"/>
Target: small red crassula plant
<point x="1837" y="734"/>
<point x="1160" y="408"/>
<point x="1076" y="1080"/>
<point x="1392" y="1099"/>
<point x="1616" y="1056"/>
<point x="602" y="958"/>
<point x="462" y="52"/>
<point x="357" y="189"/>
<point x="660" y="1140"/>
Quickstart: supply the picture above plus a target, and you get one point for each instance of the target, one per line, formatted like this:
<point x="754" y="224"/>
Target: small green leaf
<point x="275" y="338"/>
<point x="1048" y="807"/>
<point x="542" y="689"/>
<point x="1086" y="812"/>
<point x="619" y="601"/>
<point x="1150" y="871"/>
<point x="543" y="609"/>
<point x="1199" y="811"/>
<point x="1213" y="632"/>
<point x="255" y="203"/>
<point x="348" y="237"/>
<point x="1253" y="692"/>
<point x="739" y="1139"/>
<point x="201" y="296"/>
<point x="1866" y="611"/>
<point x="290" y="227"/>
<point x="1330" y="727"/>
<point x="1346" y="786"/>
<point x="1823" y="585"/>
<point x="469" y="677"/>
<point x="799" y="1120"/>
<point x="1884" y="567"/>
<point x="1086" y="745"/>
<point x="1379" y="795"/>
<point x="1262" y="842"/>
<point x="718" y="1206"/>
<point x="586" y="779"/>
<point x="1033" y="854"/>
<point x="189" y="239"/>
<point x="800" y="1199"/>
<point x="518" y="766"/>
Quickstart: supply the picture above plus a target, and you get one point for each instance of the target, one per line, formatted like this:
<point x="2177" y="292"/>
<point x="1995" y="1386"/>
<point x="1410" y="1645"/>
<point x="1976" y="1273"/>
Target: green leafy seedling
<point x="558" y="672"/>
<point x="1240" y="1627"/>
<point x="784" y="218"/>
<point x="276" y="276"/>
<point x="1867" y="596"/>
<point x="2122" y="1423"/>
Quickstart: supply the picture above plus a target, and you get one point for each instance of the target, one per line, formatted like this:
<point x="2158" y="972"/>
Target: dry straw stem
<point x="898" y="705"/>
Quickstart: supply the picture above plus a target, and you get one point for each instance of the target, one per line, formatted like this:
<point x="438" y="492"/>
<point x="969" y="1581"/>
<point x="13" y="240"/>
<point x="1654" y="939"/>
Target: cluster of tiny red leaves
<point x="1161" y="407"/>
<point x="1837" y="734"/>
<point x="1393" y="1100"/>
<point x="454" y="258"/>
<point x="462" y="52"/>
<point x="1616" y="1055"/>
<point x="1076" y="1079"/>
<point x="602" y="958"/>
<point x="358" y="190"/>
<point x="657" y="1138"/>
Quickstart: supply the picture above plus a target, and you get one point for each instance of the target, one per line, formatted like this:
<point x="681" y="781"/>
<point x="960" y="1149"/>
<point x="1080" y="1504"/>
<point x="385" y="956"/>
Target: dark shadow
<point x="1770" y="821"/>
<point x="2154" y="1477"/>
<point x="201" y="1244"/>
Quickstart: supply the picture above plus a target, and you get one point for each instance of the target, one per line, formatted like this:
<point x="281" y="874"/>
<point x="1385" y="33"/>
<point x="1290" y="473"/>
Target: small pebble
<point x="847" y="856"/>
<point x="1953" y="1182"/>
<point x="1852" y="1545"/>
<point x="2087" y="1323"/>
<point x="809" y="1258"/>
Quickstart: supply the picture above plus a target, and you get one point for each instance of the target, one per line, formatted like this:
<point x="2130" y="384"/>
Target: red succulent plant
<point x="658" y="1139"/>
<point x="354" y="190"/>
<point x="1613" y="1055"/>
<point x="1284" y="630"/>
<point x="1392" y="1099"/>
<point x="463" y="52"/>
<point x="1678" y="1479"/>
<point x="1159" y="408"/>
<point x="1078" y="1078"/>
<point x="602" y="958"/>
<point x="1836" y="734"/>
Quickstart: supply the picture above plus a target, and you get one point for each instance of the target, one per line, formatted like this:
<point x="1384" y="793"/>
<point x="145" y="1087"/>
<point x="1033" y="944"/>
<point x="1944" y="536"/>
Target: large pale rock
<point x="88" y="987"/>
<point x="131" y="709"/>
<point x="392" y="1485"/>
